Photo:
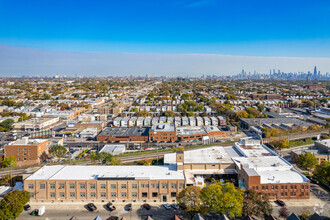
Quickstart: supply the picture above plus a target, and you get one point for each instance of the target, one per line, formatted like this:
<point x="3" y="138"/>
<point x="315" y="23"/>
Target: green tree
<point x="223" y="199"/>
<point x="58" y="150"/>
<point x="305" y="214"/>
<point x="190" y="199"/>
<point x="282" y="143"/>
<point x="146" y="162"/>
<point x="322" y="172"/>
<point x="13" y="203"/>
<point x="256" y="203"/>
<point x="242" y="114"/>
<point x="253" y="112"/>
<point x="46" y="96"/>
<point x="143" y="113"/>
<point x="185" y="96"/>
<point x="260" y="107"/>
<point x="307" y="161"/>
<point x="169" y="113"/>
<point x="190" y="114"/>
<point x="9" y="161"/>
<point x="134" y="109"/>
<point x="6" y="125"/>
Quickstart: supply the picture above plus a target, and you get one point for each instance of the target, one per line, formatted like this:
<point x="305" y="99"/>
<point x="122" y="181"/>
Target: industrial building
<point x="248" y="164"/>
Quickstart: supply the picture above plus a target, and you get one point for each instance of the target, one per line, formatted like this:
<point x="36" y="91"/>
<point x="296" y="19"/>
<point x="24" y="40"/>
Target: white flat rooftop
<point x="215" y="154"/>
<point x="75" y="172"/>
<point x="271" y="169"/>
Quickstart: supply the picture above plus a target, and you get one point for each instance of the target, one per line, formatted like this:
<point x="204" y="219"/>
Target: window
<point x="181" y="186"/>
<point x="276" y="187"/>
<point x="82" y="186"/>
<point x="291" y="187"/>
<point x="144" y="195"/>
<point x="256" y="187"/>
<point x="52" y="195"/>
<point x="61" y="186"/>
<point x="152" y="186"/>
<point x="295" y="186"/>
<point x="24" y="154"/>
<point x="272" y="187"/>
<point x="42" y="186"/>
<point x="113" y="186"/>
<point x="263" y="187"/>
<point x="82" y="195"/>
<point x="154" y="194"/>
<point x="71" y="186"/>
<point x="92" y="194"/>
<point x="164" y="186"/>
<point x="113" y="194"/>
<point x="173" y="186"/>
<point x="134" y="194"/>
<point x="52" y="186"/>
<point x="123" y="186"/>
<point x="103" y="194"/>
<point x="282" y="187"/>
<point x="302" y="194"/>
<point x="123" y="195"/>
<point x="61" y="194"/>
<point x="147" y="185"/>
<point x="92" y="186"/>
<point x="142" y="185"/>
<point x="173" y="194"/>
<point x="134" y="186"/>
<point x="157" y="186"/>
<point x="72" y="194"/>
<point x="31" y="195"/>
<point x="302" y="186"/>
<point x="30" y="186"/>
<point x="102" y="186"/>
<point x="253" y="187"/>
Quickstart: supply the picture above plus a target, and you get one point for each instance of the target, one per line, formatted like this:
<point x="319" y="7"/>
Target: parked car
<point x="27" y="207"/>
<point x="38" y="212"/>
<point x="113" y="218"/>
<point x="91" y="207"/>
<point x="167" y="206"/>
<point x="128" y="207"/>
<point x="146" y="206"/>
<point x="280" y="202"/>
<point x="110" y="206"/>
<point x="175" y="206"/>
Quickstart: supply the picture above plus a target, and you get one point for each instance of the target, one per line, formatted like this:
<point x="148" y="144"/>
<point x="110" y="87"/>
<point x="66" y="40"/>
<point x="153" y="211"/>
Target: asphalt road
<point x="79" y="212"/>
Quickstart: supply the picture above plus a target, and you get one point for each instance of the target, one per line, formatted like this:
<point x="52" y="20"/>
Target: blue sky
<point x="271" y="28"/>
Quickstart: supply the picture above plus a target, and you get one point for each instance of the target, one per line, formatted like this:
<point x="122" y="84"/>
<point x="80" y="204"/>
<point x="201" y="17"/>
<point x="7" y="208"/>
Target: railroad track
<point x="125" y="159"/>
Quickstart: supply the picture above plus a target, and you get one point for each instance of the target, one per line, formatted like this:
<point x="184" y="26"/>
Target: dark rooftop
<point x="123" y="131"/>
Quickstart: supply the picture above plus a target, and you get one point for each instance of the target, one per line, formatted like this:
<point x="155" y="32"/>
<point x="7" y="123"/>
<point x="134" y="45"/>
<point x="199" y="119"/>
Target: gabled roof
<point x="223" y="217"/>
<point x="293" y="216"/>
<point x="315" y="216"/>
<point x="175" y="217"/>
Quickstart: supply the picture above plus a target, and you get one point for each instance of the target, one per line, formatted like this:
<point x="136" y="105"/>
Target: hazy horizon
<point x="16" y="61"/>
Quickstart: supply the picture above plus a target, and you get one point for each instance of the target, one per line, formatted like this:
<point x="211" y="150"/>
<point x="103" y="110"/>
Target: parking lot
<point x="79" y="212"/>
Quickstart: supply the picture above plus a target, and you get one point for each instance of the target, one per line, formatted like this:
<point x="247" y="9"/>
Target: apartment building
<point x="27" y="151"/>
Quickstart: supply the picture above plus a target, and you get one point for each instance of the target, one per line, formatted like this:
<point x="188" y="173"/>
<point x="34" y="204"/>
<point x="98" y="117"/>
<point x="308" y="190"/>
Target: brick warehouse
<point x="248" y="164"/>
<point x="122" y="134"/>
